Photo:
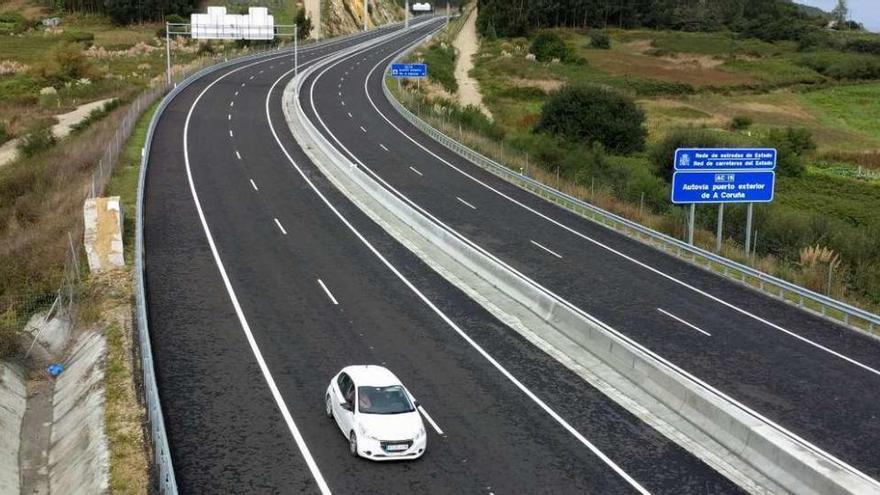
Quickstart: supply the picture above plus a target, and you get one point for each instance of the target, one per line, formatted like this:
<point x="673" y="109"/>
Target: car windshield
<point x="383" y="400"/>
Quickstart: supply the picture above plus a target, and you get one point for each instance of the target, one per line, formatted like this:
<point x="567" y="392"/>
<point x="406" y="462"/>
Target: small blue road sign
<point x="711" y="159"/>
<point x="723" y="187"/>
<point x="409" y="70"/>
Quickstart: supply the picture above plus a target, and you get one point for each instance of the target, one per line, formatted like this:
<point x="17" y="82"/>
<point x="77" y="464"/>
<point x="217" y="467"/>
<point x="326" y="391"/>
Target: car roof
<point x="371" y="375"/>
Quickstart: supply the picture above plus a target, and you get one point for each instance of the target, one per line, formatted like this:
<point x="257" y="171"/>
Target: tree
<point x="840" y="14"/>
<point x="304" y="24"/>
<point x="593" y="114"/>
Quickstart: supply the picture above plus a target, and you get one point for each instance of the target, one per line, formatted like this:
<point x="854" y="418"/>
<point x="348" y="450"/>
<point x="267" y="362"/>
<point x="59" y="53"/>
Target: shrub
<point x="205" y="49"/>
<point x="4" y="133"/>
<point x="65" y="62"/>
<point x="662" y="153"/>
<point x="741" y="122"/>
<point x="472" y="118"/>
<point x="791" y="144"/>
<point x="39" y="139"/>
<point x="600" y="40"/>
<point x="441" y="65"/>
<point x="12" y="23"/>
<point x="863" y="45"/>
<point x="854" y="69"/>
<point x="304" y="24"/>
<point x="96" y="115"/>
<point x="83" y="37"/>
<point x="548" y="46"/>
<point x="656" y="87"/>
<point x="592" y="114"/>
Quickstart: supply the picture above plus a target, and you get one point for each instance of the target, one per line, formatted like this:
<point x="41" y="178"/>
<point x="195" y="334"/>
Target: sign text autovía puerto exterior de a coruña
<point x="409" y="70"/>
<point x="724" y="175"/>
<point x="723" y="187"/>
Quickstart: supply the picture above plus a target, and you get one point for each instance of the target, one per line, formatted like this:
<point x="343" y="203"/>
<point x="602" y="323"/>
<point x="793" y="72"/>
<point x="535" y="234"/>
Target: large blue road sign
<point x="409" y="70"/>
<point x="723" y="187"/>
<point x="711" y="159"/>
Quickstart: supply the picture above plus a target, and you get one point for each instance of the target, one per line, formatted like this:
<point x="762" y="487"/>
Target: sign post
<point x="720" y="176"/>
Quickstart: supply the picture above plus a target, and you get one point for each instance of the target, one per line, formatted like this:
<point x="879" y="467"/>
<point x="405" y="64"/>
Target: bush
<point x="662" y="154"/>
<point x="12" y="23"/>
<point x="548" y="46"/>
<point x="472" y="118"/>
<point x="854" y="69"/>
<point x="37" y="140"/>
<point x="96" y="115"/>
<point x="600" y="40"/>
<point x="304" y="24"/>
<point x="863" y="45"/>
<point x="441" y="65"/>
<point x="4" y="133"/>
<point x="741" y="122"/>
<point x="791" y="144"/>
<point x="205" y="48"/>
<point x="65" y="62"/>
<point x="83" y="37"/>
<point x="591" y="114"/>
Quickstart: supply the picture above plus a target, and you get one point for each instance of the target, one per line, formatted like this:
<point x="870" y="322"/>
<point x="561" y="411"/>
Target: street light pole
<point x="167" y="54"/>
<point x="295" y="56"/>
<point x="366" y="13"/>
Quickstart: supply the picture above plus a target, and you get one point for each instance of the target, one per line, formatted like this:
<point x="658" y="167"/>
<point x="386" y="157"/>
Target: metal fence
<point x="806" y="299"/>
<point x="161" y="451"/>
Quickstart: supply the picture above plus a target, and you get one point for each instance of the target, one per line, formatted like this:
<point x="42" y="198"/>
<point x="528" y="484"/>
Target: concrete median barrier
<point x="774" y="459"/>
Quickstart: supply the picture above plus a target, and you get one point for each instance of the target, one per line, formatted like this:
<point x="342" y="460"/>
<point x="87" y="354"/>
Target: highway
<point x="263" y="281"/>
<point x="812" y="377"/>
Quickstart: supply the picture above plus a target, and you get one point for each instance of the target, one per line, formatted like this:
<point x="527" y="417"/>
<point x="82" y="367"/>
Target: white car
<point x="376" y="414"/>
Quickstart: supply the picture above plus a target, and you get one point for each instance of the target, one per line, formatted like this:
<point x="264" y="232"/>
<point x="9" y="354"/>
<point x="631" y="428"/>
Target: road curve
<point x="800" y="371"/>
<point x="263" y="280"/>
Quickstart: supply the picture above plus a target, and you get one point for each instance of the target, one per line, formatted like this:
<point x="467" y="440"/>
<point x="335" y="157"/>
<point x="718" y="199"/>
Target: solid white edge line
<point x="431" y="421"/>
<point x="327" y="291"/>
<point x="254" y="184"/>
<point x="546" y="249"/>
<point x="255" y="349"/>
<point x="280" y="227"/>
<point x="615" y="332"/>
<point x="416" y="171"/>
<point x="604" y="246"/>
<point x="525" y="390"/>
<point x="465" y="202"/>
<point x="667" y="313"/>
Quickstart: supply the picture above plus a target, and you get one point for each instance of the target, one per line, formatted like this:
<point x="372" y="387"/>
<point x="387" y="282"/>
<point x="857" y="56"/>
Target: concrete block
<point x="103" y="233"/>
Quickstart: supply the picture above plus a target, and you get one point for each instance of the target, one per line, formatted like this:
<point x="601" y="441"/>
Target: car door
<point x="344" y="416"/>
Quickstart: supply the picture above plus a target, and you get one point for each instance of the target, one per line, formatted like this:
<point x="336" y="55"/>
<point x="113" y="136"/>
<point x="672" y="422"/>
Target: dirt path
<point x="66" y="121"/>
<point x="467" y="45"/>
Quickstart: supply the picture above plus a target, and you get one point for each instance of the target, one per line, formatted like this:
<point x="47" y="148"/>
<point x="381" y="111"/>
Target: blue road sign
<point x="711" y="159"/>
<point x="409" y="70"/>
<point x="723" y="187"/>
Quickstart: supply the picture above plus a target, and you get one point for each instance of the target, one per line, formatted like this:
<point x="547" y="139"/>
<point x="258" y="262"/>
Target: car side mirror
<point x="345" y="405"/>
<point x="416" y="404"/>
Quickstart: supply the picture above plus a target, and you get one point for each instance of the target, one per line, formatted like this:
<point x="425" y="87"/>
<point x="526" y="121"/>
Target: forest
<point x="769" y="20"/>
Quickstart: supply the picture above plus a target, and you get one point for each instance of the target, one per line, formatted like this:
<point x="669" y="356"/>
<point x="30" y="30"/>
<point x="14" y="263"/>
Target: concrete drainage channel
<point x="754" y="452"/>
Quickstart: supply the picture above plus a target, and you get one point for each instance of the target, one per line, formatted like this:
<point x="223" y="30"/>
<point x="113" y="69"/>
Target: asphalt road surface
<point x="817" y="379"/>
<point x="263" y="281"/>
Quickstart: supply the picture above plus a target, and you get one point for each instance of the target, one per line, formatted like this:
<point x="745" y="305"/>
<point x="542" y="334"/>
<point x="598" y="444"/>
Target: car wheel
<point x="328" y="408"/>
<point x="353" y="445"/>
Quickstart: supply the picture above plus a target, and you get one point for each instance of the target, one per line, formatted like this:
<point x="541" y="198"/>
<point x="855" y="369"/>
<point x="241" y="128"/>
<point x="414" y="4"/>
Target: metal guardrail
<point x="161" y="451"/>
<point x="806" y="299"/>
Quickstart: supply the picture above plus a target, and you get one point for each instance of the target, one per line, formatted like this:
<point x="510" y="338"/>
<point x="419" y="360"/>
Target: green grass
<point x="124" y="181"/>
<point x="852" y="201"/>
<point x="855" y="107"/>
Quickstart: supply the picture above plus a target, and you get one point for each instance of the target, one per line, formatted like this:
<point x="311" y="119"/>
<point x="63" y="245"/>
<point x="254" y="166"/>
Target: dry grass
<point x="41" y="202"/>
<point x="697" y="70"/>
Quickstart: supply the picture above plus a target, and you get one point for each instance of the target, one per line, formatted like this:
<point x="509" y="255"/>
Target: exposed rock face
<point x="347" y="16"/>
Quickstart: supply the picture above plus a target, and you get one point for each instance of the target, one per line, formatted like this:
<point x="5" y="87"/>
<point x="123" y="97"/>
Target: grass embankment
<point x="440" y="55"/>
<point x="124" y="416"/>
<point x="704" y="80"/>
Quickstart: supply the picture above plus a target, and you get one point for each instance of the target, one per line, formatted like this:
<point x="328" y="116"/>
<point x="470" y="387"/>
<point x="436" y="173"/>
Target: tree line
<point x="128" y="11"/>
<point x="769" y="20"/>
